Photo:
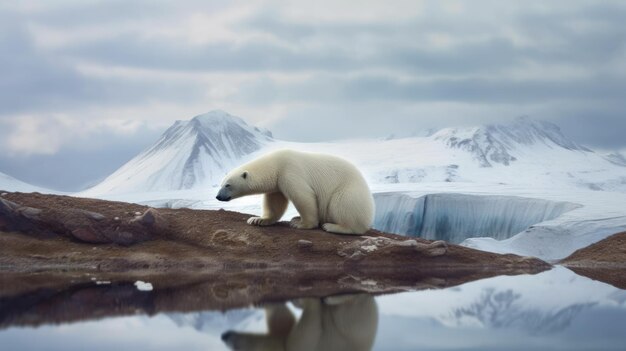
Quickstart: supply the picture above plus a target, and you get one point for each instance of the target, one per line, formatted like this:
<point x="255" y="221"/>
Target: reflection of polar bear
<point x="326" y="190"/>
<point x="343" y="323"/>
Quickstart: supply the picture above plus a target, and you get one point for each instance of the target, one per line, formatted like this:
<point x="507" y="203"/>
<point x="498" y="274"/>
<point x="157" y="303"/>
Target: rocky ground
<point x="65" y="258"/>
<point x="604" y="261"/>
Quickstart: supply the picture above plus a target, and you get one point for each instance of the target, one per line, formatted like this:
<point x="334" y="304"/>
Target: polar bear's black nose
<point x="222" y="197"/>
<point x="224" y="194"/>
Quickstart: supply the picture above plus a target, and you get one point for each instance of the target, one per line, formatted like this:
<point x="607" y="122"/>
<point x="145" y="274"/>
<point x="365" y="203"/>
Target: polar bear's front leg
<point x="274" y="207"/>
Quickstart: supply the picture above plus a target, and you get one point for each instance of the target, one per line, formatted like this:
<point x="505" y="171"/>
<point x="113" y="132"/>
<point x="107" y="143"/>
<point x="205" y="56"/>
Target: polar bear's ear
<point x="244" y="175"/>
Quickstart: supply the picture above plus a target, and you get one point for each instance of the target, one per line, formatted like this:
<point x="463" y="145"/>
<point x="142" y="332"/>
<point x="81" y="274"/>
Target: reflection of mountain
<point x="502" y="309"/>
<point x="217" y="322"/>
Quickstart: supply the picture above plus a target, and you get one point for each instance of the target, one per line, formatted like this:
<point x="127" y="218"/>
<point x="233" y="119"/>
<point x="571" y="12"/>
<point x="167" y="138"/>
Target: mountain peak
<point x="220" y="121"/>
<point x="189" y="154"/>
<point x="217" y="116"/>
<point x="525" y="130"/>
<point x="496" y="143"/>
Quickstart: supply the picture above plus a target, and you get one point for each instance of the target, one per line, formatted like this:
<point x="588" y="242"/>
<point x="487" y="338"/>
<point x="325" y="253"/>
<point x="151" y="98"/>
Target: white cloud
<point x="31" y="135"/>
<point x="27" y="135"/>
<point x="126" y="65"/>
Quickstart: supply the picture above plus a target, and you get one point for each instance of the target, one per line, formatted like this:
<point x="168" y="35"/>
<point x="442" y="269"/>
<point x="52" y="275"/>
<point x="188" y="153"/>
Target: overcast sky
<point x="85" y="85"/>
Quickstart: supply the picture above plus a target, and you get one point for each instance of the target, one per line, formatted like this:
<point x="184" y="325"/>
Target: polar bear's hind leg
<point x="306" y="204"/>
<point x="344" y="217"/>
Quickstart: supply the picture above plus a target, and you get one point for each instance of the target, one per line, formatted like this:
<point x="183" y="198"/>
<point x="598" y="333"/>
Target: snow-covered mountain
<point x="8" y="183"/>
<point x="197" y="154"/>
<point x="190" y="154"/>
<point x="523" y="151"/>
<point x="497" y="143"/>
<point x="617" y="158"/>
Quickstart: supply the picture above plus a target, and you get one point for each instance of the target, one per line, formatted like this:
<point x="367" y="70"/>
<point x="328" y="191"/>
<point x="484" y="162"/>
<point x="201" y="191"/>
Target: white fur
<point x="348" y="323"/>
<point x="326" y="190"/>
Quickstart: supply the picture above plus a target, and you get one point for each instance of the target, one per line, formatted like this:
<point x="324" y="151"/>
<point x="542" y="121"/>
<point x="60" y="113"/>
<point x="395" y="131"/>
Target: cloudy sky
<point x="87" y="84"/>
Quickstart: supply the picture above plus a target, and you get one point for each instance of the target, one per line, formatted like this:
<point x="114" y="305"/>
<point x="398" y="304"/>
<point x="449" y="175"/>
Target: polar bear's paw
<point x="296" y="222"/>
<point x="336" y="228"/>
<point x="260" y="221"/>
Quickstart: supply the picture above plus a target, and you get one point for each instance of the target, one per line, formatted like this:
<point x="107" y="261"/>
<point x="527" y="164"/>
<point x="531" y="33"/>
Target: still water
<point x="553" y="310"/>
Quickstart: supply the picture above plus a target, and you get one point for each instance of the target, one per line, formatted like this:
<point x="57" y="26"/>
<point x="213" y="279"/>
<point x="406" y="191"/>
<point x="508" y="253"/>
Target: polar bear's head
<point x="236" y="184"/>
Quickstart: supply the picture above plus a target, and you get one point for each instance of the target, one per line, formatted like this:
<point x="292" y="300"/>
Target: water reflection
<point x="43" y="298"/>
<point x="554" y="310"/>
<point x="346" y="322"/>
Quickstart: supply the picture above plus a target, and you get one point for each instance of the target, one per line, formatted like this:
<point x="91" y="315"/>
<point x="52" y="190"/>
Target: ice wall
<point x="456" y="217"/>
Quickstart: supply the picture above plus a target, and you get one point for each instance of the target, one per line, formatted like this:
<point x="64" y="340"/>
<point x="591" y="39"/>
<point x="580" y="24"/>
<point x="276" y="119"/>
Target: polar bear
<point x="326" y="190"/>
<point x="336" y="323"/>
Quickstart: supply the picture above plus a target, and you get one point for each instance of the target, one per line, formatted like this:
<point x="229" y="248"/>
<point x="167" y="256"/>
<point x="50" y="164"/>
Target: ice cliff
<point x="456" y="217"/>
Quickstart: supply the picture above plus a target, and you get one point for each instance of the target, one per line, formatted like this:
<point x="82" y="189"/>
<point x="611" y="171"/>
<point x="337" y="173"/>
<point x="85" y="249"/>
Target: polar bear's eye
<point x="227" y="186"/>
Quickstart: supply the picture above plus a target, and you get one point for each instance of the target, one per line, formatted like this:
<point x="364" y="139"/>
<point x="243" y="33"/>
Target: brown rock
<point x="89" y="235"/>
<point x="7" y="206"/>
<point x="29" y="212"/>
<point x="305" y="244"/>
<point x="436" y="248"/>
<point x="93" y="215"/>
<point x="150" y="218"/>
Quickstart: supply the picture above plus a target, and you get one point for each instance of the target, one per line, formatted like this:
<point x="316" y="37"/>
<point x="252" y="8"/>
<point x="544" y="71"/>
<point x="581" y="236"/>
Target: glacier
<point x="456" y="217"/>
<point x="573" y="217"/>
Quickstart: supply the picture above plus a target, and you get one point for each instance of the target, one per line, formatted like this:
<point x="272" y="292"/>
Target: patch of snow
<point x="143" y="286"/>
<point x="369" y="248"/>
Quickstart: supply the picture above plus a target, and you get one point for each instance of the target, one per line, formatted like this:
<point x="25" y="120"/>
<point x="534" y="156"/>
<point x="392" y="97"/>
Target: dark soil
<point x="604" y="261"/>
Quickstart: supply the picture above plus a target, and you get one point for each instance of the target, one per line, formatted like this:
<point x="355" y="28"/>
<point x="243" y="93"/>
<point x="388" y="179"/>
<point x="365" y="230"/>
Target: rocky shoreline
<point x="56" y="251"/>
<point x="62" y="232"/>
<point x="604" y="261"/>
